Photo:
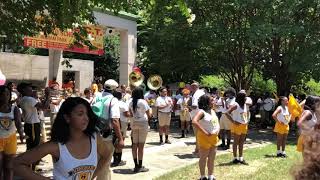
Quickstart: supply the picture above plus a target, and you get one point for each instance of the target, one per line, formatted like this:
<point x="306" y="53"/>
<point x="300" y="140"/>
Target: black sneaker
<point x="279" y="154"/>
<point x="235" y="161"/>
<point x="221" y="146"/>
<point x="136" y="170"/>
<point x="167" y="142"/>
<point x="143" y="169"/>
<point x="243" y="162"/>
<point x="283" y="156"/>
<point x="205" y="178"/>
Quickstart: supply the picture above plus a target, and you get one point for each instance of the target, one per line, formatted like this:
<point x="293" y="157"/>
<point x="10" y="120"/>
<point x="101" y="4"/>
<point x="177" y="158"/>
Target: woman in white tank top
<point x="10" y="118"/>
<point x="282" y="117"/>
<point x="307" y="121"/>
<point x="74" y="146"/>
<point x="238" y="115"/>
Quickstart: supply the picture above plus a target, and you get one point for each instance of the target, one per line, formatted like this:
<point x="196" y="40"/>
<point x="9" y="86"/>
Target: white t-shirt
<point x="140" y="114"/>
<point x="284" y="115"/>
<point x="183" y="100"/>
<point x="219" y="104"/>
<point x="240" y="115"/>
<point x="196" y="96"/>
<point x="229" y="102"/>
<point x="162" y="101"/>
<point x="124" y="107"/>
<point x="115" y="110"/>
<point x="29" y="111"/>
<point x="55" y="108"/>
<point x="248" y="102"/>
<point x="210" y="122"/>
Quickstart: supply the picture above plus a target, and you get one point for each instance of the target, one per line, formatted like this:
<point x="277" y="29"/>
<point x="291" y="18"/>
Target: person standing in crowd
<point x="124" y="114"/>
<point x="94" y="90"/>
<point x="176" y="106"/>
<point x="111" y="111"/>
<point x="225" y="123"/>
<point x="127" y="96"/>
<point x="164" y="105"/>
<point x="88" y="95"/>
<point x="151" y="97"/>
<point x="29" y="106"/>
<point x="307" y="121"/>
<point x="248" y="102"/>
<point x="282" y="117"/>
<point x="197" y="93"/>
<point x="76" y="149"/>
<point x="141" y="114"/>
<point x="185" y="107"/>
<point x="238" y="115"/>
<point x="207" y="124"/>
<point x="55" y="101"/>
<point x="14" y="92"/>
<point x="10" y="121"/>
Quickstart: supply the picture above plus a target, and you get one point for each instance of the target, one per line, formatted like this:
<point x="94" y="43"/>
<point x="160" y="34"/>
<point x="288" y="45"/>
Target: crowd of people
<point x="88" y="130"/>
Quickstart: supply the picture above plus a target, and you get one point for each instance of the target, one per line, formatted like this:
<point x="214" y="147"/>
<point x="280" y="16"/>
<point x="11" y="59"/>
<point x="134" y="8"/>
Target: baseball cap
<point x="110" y="84"/>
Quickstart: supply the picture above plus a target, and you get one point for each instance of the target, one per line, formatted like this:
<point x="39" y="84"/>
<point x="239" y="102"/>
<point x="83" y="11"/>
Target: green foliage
<point x="313" y="87"/>
<point x="212" y="81"/>
<point x="260" y="85"/>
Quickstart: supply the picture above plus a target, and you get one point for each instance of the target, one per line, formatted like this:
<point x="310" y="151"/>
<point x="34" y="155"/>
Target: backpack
<point x="103" y="123"/>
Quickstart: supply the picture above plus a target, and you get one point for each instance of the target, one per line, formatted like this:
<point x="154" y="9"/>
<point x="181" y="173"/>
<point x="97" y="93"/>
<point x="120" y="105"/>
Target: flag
<point x="294" y="107"/>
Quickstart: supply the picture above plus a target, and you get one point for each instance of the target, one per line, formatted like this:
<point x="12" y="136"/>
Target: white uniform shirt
<point x="115" y="110"/>
<point x="140" y="114"/>
<point x="195" y="100"/>
<point x="29" y="111"/>
<point x="124" y="107"/>
<point x="162" y="101"/>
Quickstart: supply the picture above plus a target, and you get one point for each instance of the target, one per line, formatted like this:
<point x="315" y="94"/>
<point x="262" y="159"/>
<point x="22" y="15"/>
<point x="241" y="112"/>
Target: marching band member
<point x="225" y="124"/>
<point x="164" y="105"/>
<point x="185" y="104"/>
<point x="140" y="111"/>
<point x="238" y="114"/>
<point x="282" y="117"/>
<point x="197" y="93"/>
<point x="307" y="121"/>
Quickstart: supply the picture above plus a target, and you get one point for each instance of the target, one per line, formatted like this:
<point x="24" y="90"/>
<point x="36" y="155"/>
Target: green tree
<point x="213" y="81"/>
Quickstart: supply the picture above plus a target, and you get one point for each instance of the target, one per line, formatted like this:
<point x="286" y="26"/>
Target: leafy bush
<point x="313" y="87"/>
<point x="259" y="85"/>
<point x="213" y="81"/>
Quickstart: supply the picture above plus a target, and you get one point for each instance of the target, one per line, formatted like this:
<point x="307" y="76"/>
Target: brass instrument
<point x="154" y="82"/>
<point x="136" y="78"/>
<point x="184" y="108"/>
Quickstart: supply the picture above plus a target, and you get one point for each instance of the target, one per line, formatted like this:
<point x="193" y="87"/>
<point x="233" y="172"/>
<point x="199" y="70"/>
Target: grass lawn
<point x="262" y="165"/>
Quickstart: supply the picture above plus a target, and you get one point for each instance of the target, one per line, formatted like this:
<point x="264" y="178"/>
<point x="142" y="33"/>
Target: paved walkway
<point x="166" y="158"/>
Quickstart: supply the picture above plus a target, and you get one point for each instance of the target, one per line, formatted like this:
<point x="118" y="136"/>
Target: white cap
<point x="243" y="91"/>
<point x="110" y="84"/>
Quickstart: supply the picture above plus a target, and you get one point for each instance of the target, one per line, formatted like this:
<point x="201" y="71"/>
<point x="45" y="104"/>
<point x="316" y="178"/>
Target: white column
<point x="128" y="46"/>
<point x="55" y="58"/>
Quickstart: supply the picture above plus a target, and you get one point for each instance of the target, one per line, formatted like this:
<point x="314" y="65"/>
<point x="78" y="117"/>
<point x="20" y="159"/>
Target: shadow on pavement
<point x="190" y="143"/>
<point x="270" y="156"/>
<point x="227" y="164"/>
<point x="124" y="171"/>
<point x="186" y="156"/>
<point x="153" y="143"/>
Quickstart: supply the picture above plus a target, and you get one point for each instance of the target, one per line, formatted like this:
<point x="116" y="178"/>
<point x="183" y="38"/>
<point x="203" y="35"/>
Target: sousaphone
<point x="136" y="78"/>
<point x="154" y="82"/>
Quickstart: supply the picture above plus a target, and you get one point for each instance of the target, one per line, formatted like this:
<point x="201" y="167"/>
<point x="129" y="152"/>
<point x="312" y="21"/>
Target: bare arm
<point x="228" y="113"/>
<point x="17" y="121"/>
<point x="149" y="114"/>
<point x="195" y="122"/>
<point x="117" y="130"/>
<point x="23" y="161"/>
<point x="103" y="153"/>
<point x="306" y="115"/>
<point x="275" y="113"/>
